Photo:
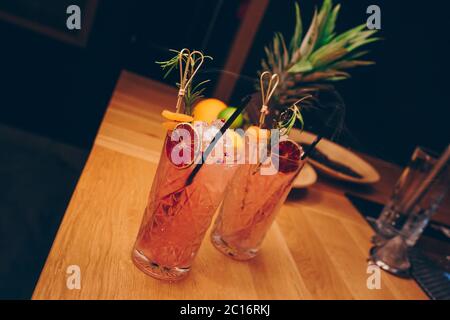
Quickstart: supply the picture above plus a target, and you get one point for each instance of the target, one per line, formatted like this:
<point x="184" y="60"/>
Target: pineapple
<point x="315" y="60"/>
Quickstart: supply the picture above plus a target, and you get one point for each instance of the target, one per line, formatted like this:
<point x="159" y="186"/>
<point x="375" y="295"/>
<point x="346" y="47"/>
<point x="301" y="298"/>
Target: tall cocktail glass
<point x="252" y="201"/>
<point x="177" y="215"/>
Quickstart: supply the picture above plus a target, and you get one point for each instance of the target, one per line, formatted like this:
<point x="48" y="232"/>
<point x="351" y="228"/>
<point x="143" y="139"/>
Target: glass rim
<point x="425" y="151"/>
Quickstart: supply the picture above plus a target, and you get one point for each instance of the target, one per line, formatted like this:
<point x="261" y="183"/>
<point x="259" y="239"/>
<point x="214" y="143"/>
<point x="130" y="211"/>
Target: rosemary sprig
<point x="193" y="91"/>
<point x="192" y="95"/>
<point x="289" y="116"/>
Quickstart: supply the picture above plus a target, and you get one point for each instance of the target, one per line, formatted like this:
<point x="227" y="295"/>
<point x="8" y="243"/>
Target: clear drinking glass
<point x="394" y="214"/>
<point x="252" y="201"/>
<point x="424" y="207"/>
<point x="428" y="193"/>
<point x="177" y="215"/>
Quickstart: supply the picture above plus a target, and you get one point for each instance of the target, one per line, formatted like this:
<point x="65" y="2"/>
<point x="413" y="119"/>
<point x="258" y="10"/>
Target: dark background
<point x="57" y="93"/>
<point x="401" y="102"/>
<point x="61" y="90"/>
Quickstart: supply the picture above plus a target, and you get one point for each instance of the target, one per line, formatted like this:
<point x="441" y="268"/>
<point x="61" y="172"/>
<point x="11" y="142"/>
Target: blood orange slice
<point x="289" y="155"/>
<point x="182" y="145"/>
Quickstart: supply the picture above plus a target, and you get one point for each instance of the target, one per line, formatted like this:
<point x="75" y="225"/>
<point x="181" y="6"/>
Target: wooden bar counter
<point x="316" y="249"/>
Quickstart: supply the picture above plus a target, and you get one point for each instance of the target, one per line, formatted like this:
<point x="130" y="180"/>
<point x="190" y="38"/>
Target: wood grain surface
<point x="317" y="248"/>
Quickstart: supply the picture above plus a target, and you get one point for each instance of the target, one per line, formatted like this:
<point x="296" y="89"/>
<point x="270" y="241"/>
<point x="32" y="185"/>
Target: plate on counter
<point x="336" y="161"/>
<point x="307" y="177"/>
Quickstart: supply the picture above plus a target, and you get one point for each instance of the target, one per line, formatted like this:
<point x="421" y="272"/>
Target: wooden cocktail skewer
<point x="273" y="81"/>
<point x="188" y="73"/>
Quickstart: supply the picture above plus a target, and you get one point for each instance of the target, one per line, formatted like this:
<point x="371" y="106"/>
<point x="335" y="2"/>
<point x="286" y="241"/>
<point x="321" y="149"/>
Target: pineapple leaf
<point x="276" y="48"/>
<point x="349" y="34"/>
<point x="361" y="36"/>
<point x="308" y="42"/>
<point x="362" y="43"/>
<point x="270" y="57"/>
<point x="337" y="78"/>
<point x="325" y="75"/>
<point x="316" y="57"/>
<point x="264" y="65"/>
<point x="301" y="66"/>
<point x="330" y="26"/>
<point x="322" y="21"/>
<point x="285" y="49"/>
<point x="327" y="54"/>
<point x="296" y="40"/>
<point x="351" y="64"/>
<point x="356" y="55"/>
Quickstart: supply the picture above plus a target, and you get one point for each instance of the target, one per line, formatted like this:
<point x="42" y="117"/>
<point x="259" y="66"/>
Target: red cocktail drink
<point x="252" y="201"/>
<point x="178" y="214"/>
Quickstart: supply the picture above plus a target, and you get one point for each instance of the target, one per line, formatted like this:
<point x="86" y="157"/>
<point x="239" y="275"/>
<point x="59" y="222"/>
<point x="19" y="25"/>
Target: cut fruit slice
<point x="170" y="125"/>
<point x="237" y="141"/>
<point x="256" y="144"/>
<point x="182" y="145"/>
<point x="289" y="155"/>
<point x="260" y="134"/>
<point x="178" y="117"/>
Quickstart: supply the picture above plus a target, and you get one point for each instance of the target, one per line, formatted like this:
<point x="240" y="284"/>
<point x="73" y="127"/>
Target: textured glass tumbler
<point x="395" y="214"/>
<point x="391" y="253"/>
<point x="177" y="216"/>
<point x="249" y="208"/>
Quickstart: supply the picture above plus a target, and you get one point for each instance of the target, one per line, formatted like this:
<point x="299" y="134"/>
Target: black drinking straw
<point x="311" y="147"/>
<point x="217" y="137"/>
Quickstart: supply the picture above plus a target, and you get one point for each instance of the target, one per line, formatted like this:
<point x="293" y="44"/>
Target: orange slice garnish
<point x="256" y="140"/>
<point x="258" y="133"/>
<point x="178" y="117"/>
<point x="169" y="125"/>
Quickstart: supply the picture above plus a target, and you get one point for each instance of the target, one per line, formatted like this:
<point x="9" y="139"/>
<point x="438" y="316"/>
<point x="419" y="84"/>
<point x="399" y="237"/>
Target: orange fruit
<point x="208" y="110"/>
<point x="174" y="116"/>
